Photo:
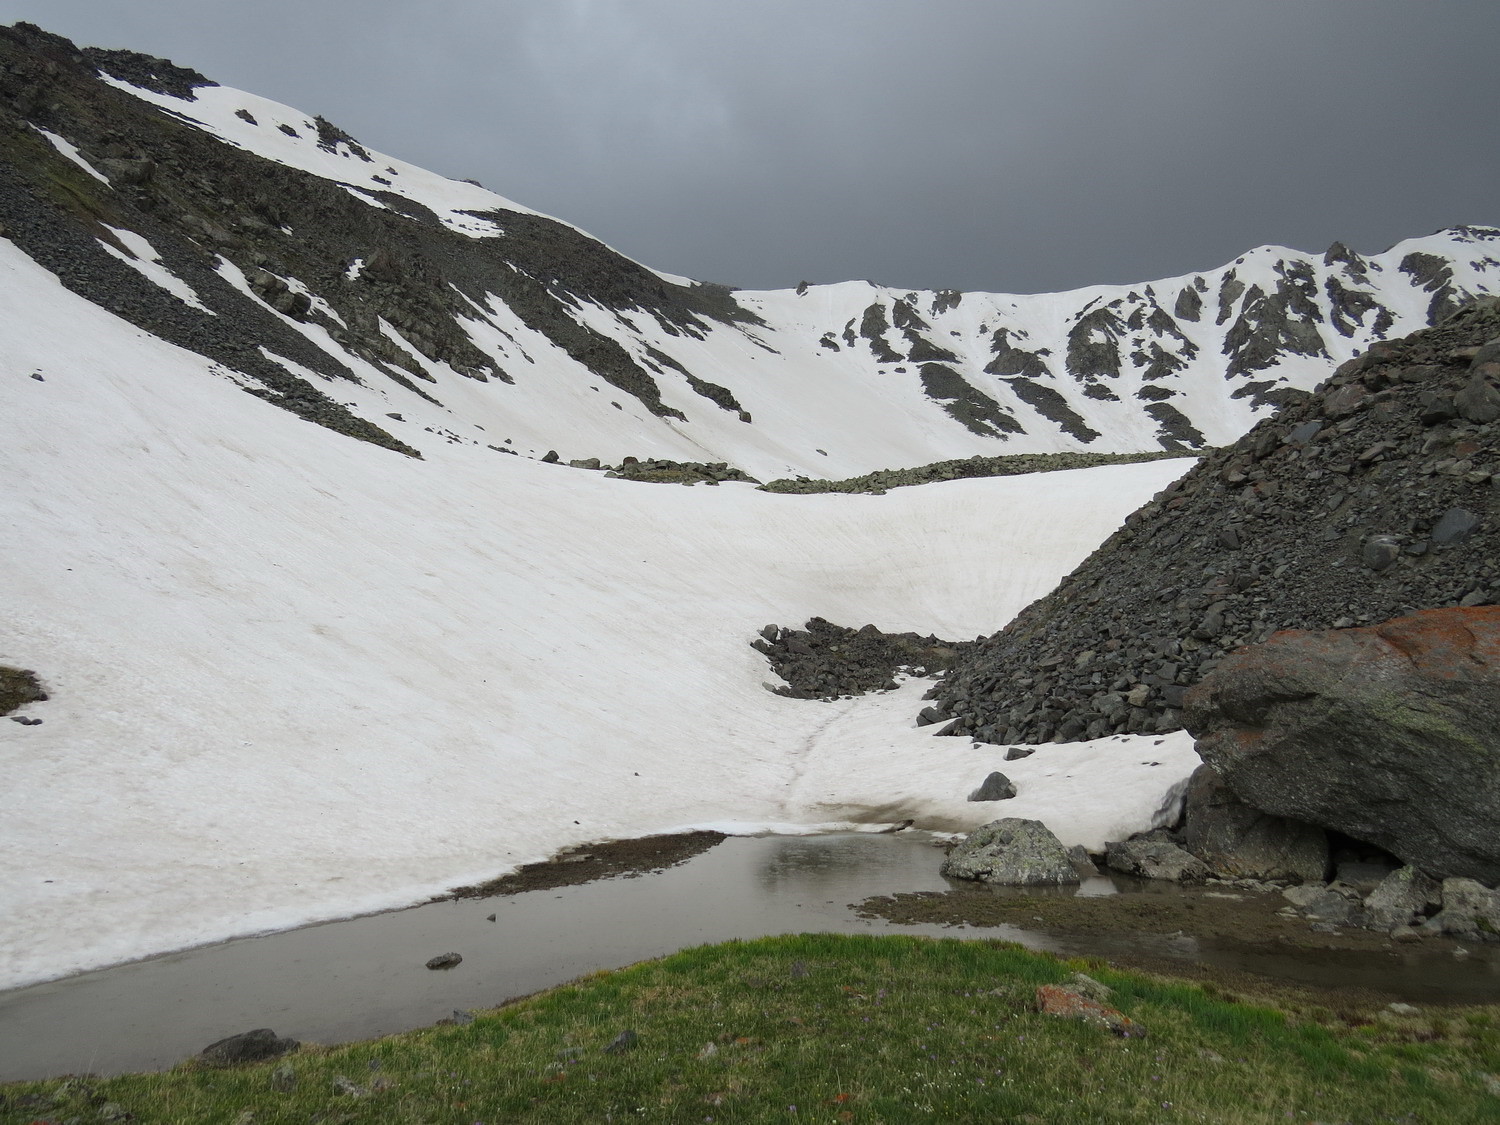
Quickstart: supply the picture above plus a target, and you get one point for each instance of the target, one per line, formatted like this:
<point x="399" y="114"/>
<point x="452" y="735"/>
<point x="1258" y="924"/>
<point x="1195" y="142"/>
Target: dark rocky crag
<point x="1373" y="497"/>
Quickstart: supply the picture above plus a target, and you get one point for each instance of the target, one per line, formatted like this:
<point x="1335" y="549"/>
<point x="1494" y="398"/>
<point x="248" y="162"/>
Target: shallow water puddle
<point x="367" y="976"/>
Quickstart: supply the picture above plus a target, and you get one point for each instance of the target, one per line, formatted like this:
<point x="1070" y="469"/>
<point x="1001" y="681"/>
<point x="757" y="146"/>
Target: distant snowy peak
<point x="304" y="262"/>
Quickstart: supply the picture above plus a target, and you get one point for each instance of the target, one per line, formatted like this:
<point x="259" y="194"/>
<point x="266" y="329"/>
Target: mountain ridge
<point x="344" y="264"/>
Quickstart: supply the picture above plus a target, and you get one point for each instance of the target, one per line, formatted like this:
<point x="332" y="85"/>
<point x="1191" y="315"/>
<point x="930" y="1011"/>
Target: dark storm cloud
<point x="1016" y="146"/>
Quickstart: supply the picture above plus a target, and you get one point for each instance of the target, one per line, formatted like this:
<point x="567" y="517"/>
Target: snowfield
<point x="296" y="677"/>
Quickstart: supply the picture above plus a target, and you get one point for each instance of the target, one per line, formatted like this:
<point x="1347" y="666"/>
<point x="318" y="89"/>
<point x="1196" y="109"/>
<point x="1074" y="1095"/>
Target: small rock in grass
<point x="1085" y="985"/>
<point x="248" y="1046"/>
<point x="622" y="1042"/>
<point x="284" y="1079"/>
<point x="349" y="1087"/>
<point x="1055" y="1000"/>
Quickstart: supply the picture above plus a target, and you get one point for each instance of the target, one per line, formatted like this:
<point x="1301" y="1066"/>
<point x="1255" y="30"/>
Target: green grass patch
<point x="832" y="1028"/>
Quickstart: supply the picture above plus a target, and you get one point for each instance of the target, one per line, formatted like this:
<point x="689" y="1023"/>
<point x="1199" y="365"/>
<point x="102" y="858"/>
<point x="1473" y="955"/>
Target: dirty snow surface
<point x="296" y="677"/>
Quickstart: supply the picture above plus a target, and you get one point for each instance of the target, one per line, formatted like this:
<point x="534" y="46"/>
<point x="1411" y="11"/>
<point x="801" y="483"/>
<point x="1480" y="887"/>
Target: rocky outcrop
<point x="1012" y="852"/>
<point x="1374" y="497"/>
<point x="1386" y="734"/>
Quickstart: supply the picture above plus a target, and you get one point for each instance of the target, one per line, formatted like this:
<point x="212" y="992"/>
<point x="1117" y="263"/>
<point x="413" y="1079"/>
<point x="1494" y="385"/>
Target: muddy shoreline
<point x="1223" y="916"/>
<point x="572" y="867"/>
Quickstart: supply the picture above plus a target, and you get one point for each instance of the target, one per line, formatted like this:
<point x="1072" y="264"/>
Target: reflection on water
<point x="367" y="976"/>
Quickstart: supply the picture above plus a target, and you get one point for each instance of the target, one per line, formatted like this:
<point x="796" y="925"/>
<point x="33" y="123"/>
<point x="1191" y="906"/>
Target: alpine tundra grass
<point x="837" y="1029"/>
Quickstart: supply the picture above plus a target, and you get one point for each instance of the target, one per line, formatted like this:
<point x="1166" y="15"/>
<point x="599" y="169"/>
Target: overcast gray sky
<point x="1008" y="145"/>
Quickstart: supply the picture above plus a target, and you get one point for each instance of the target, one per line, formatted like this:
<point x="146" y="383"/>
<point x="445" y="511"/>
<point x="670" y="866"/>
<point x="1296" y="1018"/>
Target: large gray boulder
<point x="1470" y="910"/>
<point x="1237" y="841"/>
<point x="1387" y="734"/>
<point x="1154" y="856"/>
<point x="1402" y="895"/>
<point x="1013" y="852"/>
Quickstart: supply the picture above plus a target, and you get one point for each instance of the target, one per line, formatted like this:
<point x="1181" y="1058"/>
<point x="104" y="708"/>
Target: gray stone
<point x="1386" y="734"/>
<point x="1456" y="525"/>
<point x="445" y="961"/>
<point x="1401" y="896"/>
<point x="1380" y="551"/>
<point x="1478" y="402"/>
<point x="248" y="1046"/>
<point x="1364" y="875"/>
<point x="1470" y="910"/>
<point x="1083" y="863"/>
<point x="348" y="1087"/>
<point x="1012" y="852"/>
<point x="1326" y="904"/>
<point x="625" y="1041"/>
<point x="1151" y="857"/>
<point x="1237" y="841"/>
<point x="996" y="787"/>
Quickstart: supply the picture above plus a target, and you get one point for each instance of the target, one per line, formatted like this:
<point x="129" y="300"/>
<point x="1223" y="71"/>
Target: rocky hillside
<point x="1375" y="496"/>
<point x="302" y="262"/>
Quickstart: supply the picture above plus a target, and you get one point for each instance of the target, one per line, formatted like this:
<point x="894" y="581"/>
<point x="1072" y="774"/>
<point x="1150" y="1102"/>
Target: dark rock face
<point x="1237" y="841"/>
<point x="1386" y="734"/>
<point x="1373" y="498"/>
<point x="248" y="1046"/>
<point x="1012" y="852"/>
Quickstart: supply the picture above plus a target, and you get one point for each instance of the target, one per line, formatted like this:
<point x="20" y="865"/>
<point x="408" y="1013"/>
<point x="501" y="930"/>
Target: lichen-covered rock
<point x="1237" y="841"/>
<point x="1072" y="1003"/>
<point x="1012" y="852"/>
<point x="1386" y="734"/>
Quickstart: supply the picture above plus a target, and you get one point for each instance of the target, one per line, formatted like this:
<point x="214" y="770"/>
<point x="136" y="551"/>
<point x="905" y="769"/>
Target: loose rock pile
<point x="670" y="472"/>
<point x="827" y="661"/>
<point x="1014" y="464"/>
<point x="1375" y="496"/>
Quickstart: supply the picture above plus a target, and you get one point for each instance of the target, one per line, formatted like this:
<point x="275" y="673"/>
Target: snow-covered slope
<point x="295" y="677"/>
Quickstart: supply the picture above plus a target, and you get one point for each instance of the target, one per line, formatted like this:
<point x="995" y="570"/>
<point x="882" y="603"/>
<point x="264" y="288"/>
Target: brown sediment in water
<point x="1227" y="919"/>
<point x="588" y="862"/>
